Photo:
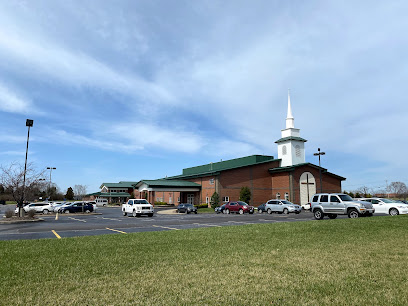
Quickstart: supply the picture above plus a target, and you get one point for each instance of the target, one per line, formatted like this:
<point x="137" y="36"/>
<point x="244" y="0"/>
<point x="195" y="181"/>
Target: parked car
<point x="333" y="204"/>
<point x="239" y="207"/>
<point x="59" y="206"/>
<point x="93" y="203"/>
<point x="137" y="207"/>
<point x="186" y="208"/>
<point x="220" y="209"/>
<point x="40" y="207"/>
<point x="102" y="202"/>
<point x="262" y="208"/>
<point x="282" y="206"/>
<point x="76" y="207"/>
<point x="387" y="206"/>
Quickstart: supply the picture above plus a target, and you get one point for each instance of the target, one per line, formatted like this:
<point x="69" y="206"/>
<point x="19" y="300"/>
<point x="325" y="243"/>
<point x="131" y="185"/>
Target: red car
<point x="238" y="207"/>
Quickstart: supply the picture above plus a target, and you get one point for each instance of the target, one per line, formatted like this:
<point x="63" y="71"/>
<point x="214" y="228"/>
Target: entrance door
<point x="307" y="187"/>
<point x="190" y="198"/>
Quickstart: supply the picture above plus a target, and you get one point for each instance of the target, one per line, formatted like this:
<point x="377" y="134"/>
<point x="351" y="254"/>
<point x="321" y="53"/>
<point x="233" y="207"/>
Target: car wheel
<point x="241" y="211"/>
<point x="134" y="214"/>
<point x="227" y="211"/>
<point x="394" y="212"/>
<point x="45" y="211"/>
<point x="297" y="212"/>
<point x="260" y="211"/>
<point x="186" y="211"/>
<point x="269" y="211"/>
<point x="150" y="215"/>
<point x="124" y="213"/>
<point x="318" y="214"/>
<point x="286" y="211"/>
<point x="353" y="213"/>
<point x="67" y="211"/>
<point x="195" y="212"/>
<point x="332" y="216"/>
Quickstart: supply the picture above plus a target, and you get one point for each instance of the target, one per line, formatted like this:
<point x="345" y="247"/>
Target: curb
<point x="21" y="221"/>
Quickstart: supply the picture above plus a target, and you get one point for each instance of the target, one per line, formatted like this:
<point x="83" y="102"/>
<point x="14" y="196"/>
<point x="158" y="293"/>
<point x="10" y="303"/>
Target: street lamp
<point x="49" y="184"/>
<point x="320" y="168"/>
<point x="29" y="123"/>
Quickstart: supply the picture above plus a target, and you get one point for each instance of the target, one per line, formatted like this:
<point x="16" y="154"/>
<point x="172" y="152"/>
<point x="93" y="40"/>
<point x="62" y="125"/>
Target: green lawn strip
<point x="360" y="261"/>
<point x="206" y="210"/>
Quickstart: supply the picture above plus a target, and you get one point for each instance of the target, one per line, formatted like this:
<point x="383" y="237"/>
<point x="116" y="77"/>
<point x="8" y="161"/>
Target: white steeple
<point x="290" y="121"/>
<point x="291" y="147"/>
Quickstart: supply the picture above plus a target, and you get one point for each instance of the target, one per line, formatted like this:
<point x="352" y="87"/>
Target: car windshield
<point x="287" y="202"/>
<point x="189" y="205"/>
<point x="387" y="201"/>
<point x="141" y="202"/>
<point x="345" y="197"/>
<point x="242" y="203"/>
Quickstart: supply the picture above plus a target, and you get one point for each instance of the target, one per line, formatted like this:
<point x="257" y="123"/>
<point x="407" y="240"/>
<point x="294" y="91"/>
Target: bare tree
<point x="12" y="178"/>
<point x="80" y="191"/>
<point x="399" y="189"/>
<point x="364" y="191"/>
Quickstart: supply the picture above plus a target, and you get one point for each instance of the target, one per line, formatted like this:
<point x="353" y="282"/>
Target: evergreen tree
<point x="70" y="194"/>
<point x="215" y="200"/>
<point x="245" y="194"/>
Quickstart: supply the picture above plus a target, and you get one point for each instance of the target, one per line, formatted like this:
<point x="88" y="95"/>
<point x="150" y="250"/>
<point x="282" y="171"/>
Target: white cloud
<point x="12" y="102"/>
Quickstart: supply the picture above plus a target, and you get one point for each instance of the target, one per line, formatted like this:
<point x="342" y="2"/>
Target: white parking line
<point x="111" y="219"/>
<point x="241" y="222"/>
<point x="207" y="224"/>
<point x="172" y="228"/>
<point x="77" y="219"/>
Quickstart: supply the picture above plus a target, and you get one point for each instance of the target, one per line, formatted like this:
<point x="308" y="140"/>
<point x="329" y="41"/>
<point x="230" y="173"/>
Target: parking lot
<point x="111" y="221"/>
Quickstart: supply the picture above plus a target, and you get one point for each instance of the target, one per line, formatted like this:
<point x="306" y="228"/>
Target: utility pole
<point x="320" y="168"/>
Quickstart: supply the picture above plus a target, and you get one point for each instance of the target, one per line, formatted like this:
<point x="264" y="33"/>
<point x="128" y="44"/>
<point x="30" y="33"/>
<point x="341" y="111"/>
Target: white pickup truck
<point x="137" y="207"/>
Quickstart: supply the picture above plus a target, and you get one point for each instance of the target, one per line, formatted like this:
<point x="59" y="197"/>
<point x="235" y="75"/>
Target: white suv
<point x="333" y="204"/>
<point x="387" y="206"/>
<point x="40" y="207"/>
<point x="137" y="207"/>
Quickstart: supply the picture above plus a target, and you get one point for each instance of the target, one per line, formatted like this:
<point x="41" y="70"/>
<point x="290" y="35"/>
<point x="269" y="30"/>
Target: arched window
<point x="278" y="196"/>
<point x="284" y="152"/>
<point x="297" y="147"/>
<point x="286" y="196"/>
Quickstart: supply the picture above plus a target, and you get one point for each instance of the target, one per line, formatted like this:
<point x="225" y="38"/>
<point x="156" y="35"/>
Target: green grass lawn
<point x="348" y="262"/>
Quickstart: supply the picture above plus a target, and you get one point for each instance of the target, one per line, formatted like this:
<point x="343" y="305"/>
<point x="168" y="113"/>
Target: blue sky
<point x="130" y="90"/>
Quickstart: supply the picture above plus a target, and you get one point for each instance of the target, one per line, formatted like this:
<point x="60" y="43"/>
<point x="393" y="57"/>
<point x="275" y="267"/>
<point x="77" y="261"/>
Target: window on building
<point x="278" y="196"/>
<point x="178" y="199"/>
<point x="284" y="152"/>
<point x="170" y="200"/>
<point x="212" y="181"/>
<point x="225" y="199"/>
<point x="207" y="200"/>
<point x="286" y="196"/>
<point x="297" y="148"/>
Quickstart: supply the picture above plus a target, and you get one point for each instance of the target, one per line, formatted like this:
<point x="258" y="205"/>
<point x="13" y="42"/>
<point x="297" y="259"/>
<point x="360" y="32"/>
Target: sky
<point x="131" y="90"/>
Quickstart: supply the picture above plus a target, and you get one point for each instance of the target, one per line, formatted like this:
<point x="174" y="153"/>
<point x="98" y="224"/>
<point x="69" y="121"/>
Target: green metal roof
<point x="119" y="185"/>
<point x="110" y="195"/>
<point x="215" y="168"/>
<point x="289" y="168"/>
<point x="168" y="183"/>
<point x="290" y="138"/>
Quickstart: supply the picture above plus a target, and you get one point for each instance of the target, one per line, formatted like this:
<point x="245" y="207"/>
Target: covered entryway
<point x="307" y="185"/>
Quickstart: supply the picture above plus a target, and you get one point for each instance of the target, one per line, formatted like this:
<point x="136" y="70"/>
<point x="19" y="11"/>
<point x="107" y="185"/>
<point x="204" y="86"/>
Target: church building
<point x="287" y="177"/>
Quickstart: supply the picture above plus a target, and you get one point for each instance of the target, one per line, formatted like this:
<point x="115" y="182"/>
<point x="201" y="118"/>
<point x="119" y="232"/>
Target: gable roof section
<point x="289" y="168"/>
<point x="110" y="195"/>
<point x="167" y="183"/>
<point x="121" y="184"/>
<point x="215" y="168"/>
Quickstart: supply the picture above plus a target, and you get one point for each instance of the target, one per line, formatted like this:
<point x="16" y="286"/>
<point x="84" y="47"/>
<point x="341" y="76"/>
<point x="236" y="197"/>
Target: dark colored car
<point x="238" y="207"/>
<point x="186" y="208"/>
<point x="261" y="208"/>
<point x="220" y="209"/>
<point x="77" y="207"/>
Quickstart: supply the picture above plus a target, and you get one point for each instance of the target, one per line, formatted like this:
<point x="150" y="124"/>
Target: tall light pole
<point x="320" y="168"/>
<point x="29" y="123"/>
<point x="49" y="184"/>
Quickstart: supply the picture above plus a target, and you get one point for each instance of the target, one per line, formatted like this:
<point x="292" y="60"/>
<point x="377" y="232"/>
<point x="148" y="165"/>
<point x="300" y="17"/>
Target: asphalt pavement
<point x="111" y="221"/>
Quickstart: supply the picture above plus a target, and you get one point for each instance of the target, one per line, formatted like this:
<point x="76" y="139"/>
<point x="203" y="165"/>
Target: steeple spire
<point x="290" y="121"/>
